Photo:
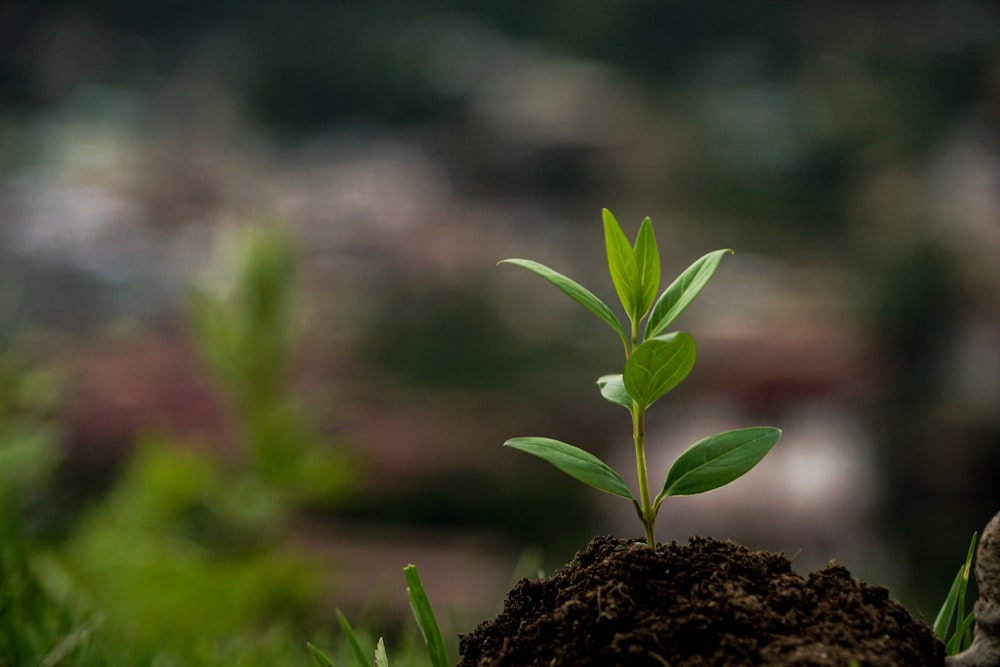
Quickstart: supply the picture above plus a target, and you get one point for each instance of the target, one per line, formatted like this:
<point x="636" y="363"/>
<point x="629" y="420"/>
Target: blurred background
<point x="256" y="355"/>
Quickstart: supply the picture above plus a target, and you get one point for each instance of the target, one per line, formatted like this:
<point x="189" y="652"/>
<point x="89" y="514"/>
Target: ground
<point x="708" y="603"/>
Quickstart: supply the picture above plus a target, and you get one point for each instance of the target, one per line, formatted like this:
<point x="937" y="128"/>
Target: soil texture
<point x="710" y="603"/>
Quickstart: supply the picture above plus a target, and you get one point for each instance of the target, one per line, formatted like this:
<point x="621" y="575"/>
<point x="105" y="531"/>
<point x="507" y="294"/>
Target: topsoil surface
<point x="711" y="603"/>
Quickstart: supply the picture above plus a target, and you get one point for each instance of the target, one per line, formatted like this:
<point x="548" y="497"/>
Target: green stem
<point x="644" y="507"/>
<point x="646" y="513"/>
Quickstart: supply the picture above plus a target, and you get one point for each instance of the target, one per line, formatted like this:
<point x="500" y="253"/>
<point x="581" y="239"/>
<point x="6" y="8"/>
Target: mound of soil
<point x="711" y="603"/>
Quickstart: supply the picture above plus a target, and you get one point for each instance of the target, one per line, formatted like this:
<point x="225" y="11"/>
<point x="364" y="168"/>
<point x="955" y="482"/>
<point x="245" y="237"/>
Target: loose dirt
<point x="710" y="603"/>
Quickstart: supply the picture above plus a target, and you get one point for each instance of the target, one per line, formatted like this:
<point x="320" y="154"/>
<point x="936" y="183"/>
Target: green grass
<point x="953" y="626"/>
<point x="426" y="620"/>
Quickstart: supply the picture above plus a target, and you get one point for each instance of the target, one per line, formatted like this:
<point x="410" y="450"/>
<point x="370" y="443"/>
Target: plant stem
<point x="646" y="514"/>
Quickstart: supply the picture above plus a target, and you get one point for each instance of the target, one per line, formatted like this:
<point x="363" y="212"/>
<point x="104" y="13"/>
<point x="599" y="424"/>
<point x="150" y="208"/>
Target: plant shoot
<point x="656" y="361"/>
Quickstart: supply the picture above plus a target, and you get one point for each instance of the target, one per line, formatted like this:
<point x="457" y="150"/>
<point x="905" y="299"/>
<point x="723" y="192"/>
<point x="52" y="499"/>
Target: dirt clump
<point x="711" y="603"/>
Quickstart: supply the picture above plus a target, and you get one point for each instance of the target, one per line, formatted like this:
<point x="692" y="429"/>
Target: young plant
<point x="953" y="609"/>
<point x="422" y="613"/>
<point x="655" y="362"/>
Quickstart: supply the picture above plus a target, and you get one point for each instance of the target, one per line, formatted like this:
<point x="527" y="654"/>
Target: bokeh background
<point x="251" y="314"/>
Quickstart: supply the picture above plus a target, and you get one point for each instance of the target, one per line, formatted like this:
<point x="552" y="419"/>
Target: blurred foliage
<point x="46" y="621"/>
<point x="39" y="625"/>
<point x="186" y="549"/>
<point x="41" y="621"/>
<point x="29" y="435"/>
<point x="245" y="330"/>
<point x="29" y="431"/>
<point x="183" y="550"/>
<point x="300" y="65"/>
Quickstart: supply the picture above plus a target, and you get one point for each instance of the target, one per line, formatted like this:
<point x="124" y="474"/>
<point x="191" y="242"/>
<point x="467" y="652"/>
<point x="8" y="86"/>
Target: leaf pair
<point x="635" y="270"/>
<point x="708" y="464"/>
<point x="656" y="367"/>
<point x="635" y="273"/>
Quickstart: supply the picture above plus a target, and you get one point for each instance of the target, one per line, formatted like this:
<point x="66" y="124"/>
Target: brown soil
<point x="711" y="603"/>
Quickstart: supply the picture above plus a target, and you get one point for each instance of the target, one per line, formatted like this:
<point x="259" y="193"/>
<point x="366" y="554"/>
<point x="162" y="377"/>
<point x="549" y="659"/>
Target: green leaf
<point x="659" y="365"/>
<point x="613" y="389"/>
<point x="647" y="257"/>
<point x="360" y="657"/>
<point x="954" y="607"/>
<point x="574" y="290"/>
<point x="963" y="633"/>
<point x="947" y="611"/>
<point x="575" y="462"/>
<point x="717" y="460"/>
<point x="424" y="614"/>
<point x="682" y="292"/>
<point x="623" y="266"/>
<point x="320" y="657"/>
<point x="962" y="639"/>
<point x="381" y="659"/>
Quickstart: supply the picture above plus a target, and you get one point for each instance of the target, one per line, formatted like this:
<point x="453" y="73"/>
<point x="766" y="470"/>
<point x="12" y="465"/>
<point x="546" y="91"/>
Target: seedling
<point x="953" y="609"/>
<point x="426" y="621"/>
<point x="655" y="363"/>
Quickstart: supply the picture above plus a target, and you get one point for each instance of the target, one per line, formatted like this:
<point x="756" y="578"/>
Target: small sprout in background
<point x="318" y="656"/>
<point x="426" y="621"/>
<point x="655" y="362"/>
<point x="953" y="608"/>
<point x="352" y="639"/>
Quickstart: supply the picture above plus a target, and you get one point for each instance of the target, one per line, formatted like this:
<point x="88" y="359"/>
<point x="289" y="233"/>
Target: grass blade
<point x="682" y="292"/>
<point x="360" y="656"/>
<point x="424" y="614"/>
<point x="947" y="611"/>
<point x="954" y="607"/>
<point x="717" y="460"/>
<point x="965" y="585"/>
<point x="962" y="638"/>
<point x="319" y="656"/>
<point x="575" y="462"/>
<point x="573" y="290"/>
<point x="72" y="641"/>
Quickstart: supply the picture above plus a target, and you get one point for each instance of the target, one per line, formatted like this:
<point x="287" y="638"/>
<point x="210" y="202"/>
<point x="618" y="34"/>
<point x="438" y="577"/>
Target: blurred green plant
<point x="187" y="547"/>
<point x="41" y="621"/>
<point x="29" y="432"/>
<point x="183" y="549"/>
<point x="245" y="330"/>
<point x="654" y="364"/>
